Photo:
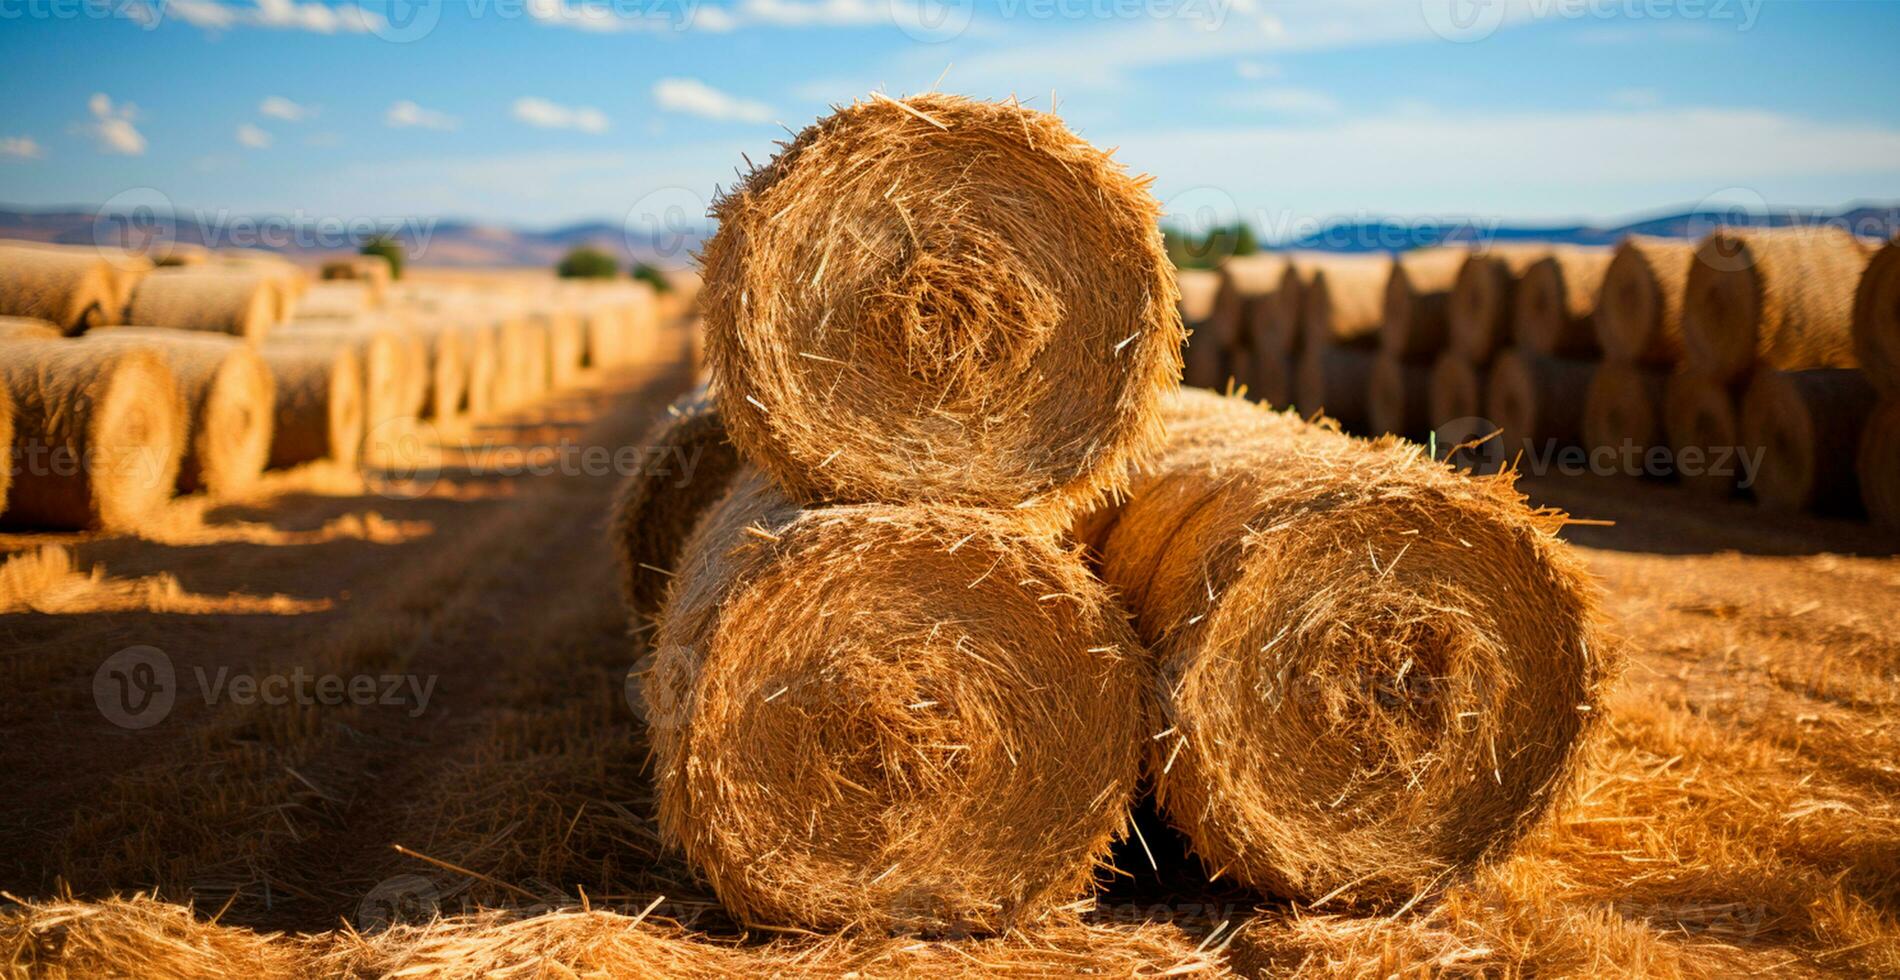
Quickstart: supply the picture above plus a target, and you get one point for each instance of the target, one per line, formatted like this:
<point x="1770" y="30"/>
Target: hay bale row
<point x="209" y="298"/>
<point x="73" y="290"/>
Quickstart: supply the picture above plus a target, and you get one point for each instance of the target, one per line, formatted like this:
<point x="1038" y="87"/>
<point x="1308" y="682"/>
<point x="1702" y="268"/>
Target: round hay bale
<point x="567" y="348"/>
<point x="604" y="332"/>
<point x="1335" y="381"/>
<point x="481" y="344"/>
<point x="1782" y="298"/>
<point x="240" y="303"/>
<point x="1277" y="328"/>
<point x="1700" y="418"/>
<point x="1639" y="313"/>
<point x="319" y="411"/>
<point x="1623" y="410"/>
<point x="1244" y="283"/>
<point x="512" y="343"/>
<point x="1877" y="319"/>
<point x="1272" y="380"/>
<point x="1376" y="672"/>
<point x="1344" y="302"/>
<point x="384" y="362"/>
<point x="535" y="371"/>
<point x="126" y="268"/>
<point x="447" y="373"/>
<point x="27" y="328"/>
<point x="1536" y="401"/>
<point x="1482" y="297"/>
<point x="891" y="718"/>
<point x="1415" y="320"/>
<point x="1455" y="390"/>
<point x="1878" y="461"/>
<point x="1806" y="424"/>
<point x="1557" y="302"/>
<point x="941" y="299"/>
<point x="413" y="355"/>
<point x="96" y="435"/>
<point x="73" y="290"/>
<point x="336" y="300"/>
<point x="686" y="464"/>
<point x="229" y="402"/>
<point x="1398" y="398"/>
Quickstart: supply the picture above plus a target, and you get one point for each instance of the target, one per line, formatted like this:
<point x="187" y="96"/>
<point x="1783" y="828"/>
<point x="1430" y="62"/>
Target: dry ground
<point x="1742" y="815"/>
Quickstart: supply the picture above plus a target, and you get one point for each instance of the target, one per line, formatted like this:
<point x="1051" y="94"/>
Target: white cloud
<point x="696" y="98"/>
<point x="1635" y="98"/>
<point x="405" y="114"/>
<point x="1287" y="100"/>
<point x="592" y="15"/>
<point x="549" y="115"/>
<point x="253" y="137"/>
<point x="313" y="16"/>
<point x="1254" y="71"/>
<point x="602" y="18"/>
<point x="819" y="13"/>
<point x="278" y="107"/>
<point x="111" y="126"/>
<point x="208" y="14"/>
<point x="20" y="148"/>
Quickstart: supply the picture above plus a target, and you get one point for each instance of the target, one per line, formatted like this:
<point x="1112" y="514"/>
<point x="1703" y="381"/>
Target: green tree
<point x="653" y="277"/>
<point x="391" y="251"/>
<point x="587" y="262"/>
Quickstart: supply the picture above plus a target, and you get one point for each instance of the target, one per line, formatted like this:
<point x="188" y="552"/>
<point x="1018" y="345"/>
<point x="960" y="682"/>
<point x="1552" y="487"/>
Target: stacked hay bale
<point x="1247" y="284"/>
<point x="884" y="693"/>
<point x="1638" y="327"/>
<point x="1877" y="345"/>
<point x="95" y="435"/>
<point x="1537" y="390"/>
<point x="1342" y="311"/>
<point x="319" y="408"/>
<point x="380" y="354"/>
<point x="238" y="302"/>
<point x="1415" y="388"/>
<point x="74" y="290"/>
<point x="1414" y="328"/>
<point x="1760" y="306"/>
<point x="1376" y="673"/>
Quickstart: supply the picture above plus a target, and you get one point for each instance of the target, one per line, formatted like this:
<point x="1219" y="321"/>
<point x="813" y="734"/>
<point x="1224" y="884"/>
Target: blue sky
<point x="540" y="112"/>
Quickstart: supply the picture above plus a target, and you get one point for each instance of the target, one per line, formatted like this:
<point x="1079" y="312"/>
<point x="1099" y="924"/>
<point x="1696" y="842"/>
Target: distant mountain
<point x="463" y="243"/>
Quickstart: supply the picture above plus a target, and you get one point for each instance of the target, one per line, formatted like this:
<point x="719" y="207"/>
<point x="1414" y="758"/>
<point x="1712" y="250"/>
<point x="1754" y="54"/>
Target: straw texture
<point x="1879" y="464"/>
<point x="229" y="401"/>
<point x="893" y="718"/>
<point x="1640" y="310"/>
<point x="1783" y="298"/>
<point x="73" y="290"/>
<point x="1336" y="381"/>
<point x="241" y="303"/>
<point x="686" y="464"/>
<point x="1344" y="302"/>
<point x="1537" y="400"/>
<point x="319" y="410"/>
<point x="1623" y="408"/>
<point x="1556" y="302"/>
<point x="1877" y="319"/>
<point x="1807" y="425"/>
<point x="945" y="300"/>
<point x="1398" y="398"/>
<point x="1456" y="392"/>
<point x="1483" y="298"/>
<point x="1377" y="672"/>
<point x="1700" y="417"/>
<point x="1416" y="319"/>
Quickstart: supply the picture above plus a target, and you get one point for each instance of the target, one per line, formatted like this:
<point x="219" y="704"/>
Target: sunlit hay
<point x="178" y="255"/>
<point x="891" y="718"/>
<point x="240" y="303"/>
<point x="596" y="942"/>
<point x="1639" y="314"/>
<point x="1246" y="283"/>
<point x="135" y="937"/>
<point x="286" y="279"/>
<point x="480" y="342"/>
<point x="685" y="465"/>
<point x="319" y="409"/>
<point x="532" y="367"/>
<point x="1483" y="297"/>
<point x="1806" y="424"/>
<point x="1557" y="302"/>
<point x="1203" y="362"/>
<point x="412" y="350"/>
<point x="96" y="436"/>
<point x="1455" y="392"/>
<point x="48" y="581"/>
<point x="1335" y="381"/>
<point x="567" y="347"/>
<point x="447" y="370"/>
<point x="1877" y="319"/>
<point x="1344" y="302"/>
<point x="230" y="403"/>
<point x="941" y="299"/>
<point x="1623" y="410"/>
<point x="1377" y="672"/>
<point x="603" y="336"/>
<point x="387" y="389"/>
<point x="73" y="290"/>
<point x="125" y="269"/>
<point x="1415" y="320"/>
<point x="1277" y="328"/>
<point x="336" y="300"/>
<point x="1536" y="401"/>
<point x="1878" y="462"/>
<point x="1398" y="398"/>
<point x="1703" y="425"/>
<point x="27" y="328"/>
<point x="1782" y="298"/>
